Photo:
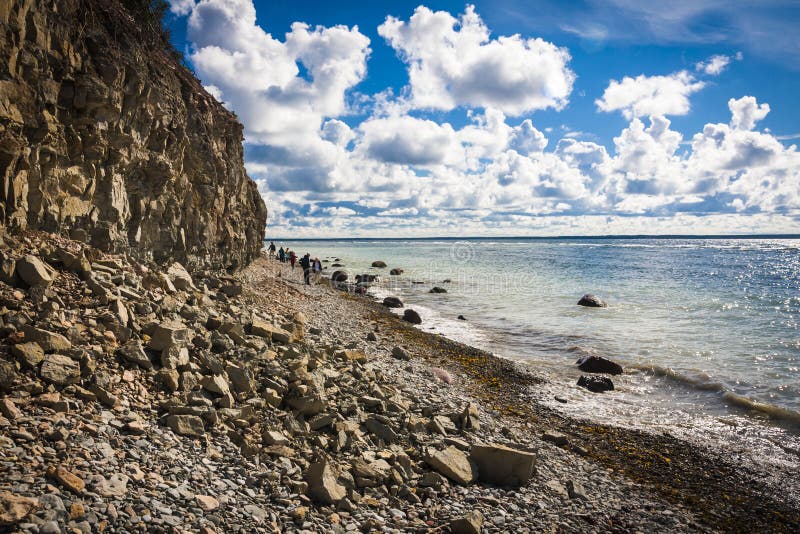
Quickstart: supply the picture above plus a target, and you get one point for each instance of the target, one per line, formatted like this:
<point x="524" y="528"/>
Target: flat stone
<point x="207" y="503"/>
<point x="69" y="480"/>
<point x="454" y="464"/>
<point x="60" y="370"/>
<point x="30" y="354"/>
<point x="556" y="438"/>
<point x="503" y="466"/>
<point x="186" y="425"/>
<point x="48" y="341"/>
<point x="15" y="508"/>
<point x="115" y="485"/>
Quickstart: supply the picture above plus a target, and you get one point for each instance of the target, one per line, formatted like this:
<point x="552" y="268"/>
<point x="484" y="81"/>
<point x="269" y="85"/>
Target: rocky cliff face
<point x="105" y="137"/>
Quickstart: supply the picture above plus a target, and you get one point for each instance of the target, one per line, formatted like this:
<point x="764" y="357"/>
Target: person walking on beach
<point x="316" y="268"/>
<point x="305" y="263"/>
<point x="282" y="255"/>
<point x="271" y="249"/>
<point x="292" y="258"/>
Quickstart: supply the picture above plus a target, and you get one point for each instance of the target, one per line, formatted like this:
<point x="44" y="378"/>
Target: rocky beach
<point x="160" y="373"/>
<point x="140" y="398"/>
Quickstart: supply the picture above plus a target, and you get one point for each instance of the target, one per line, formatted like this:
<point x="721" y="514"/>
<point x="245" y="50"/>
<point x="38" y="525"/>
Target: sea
<point x="707" y="329"/>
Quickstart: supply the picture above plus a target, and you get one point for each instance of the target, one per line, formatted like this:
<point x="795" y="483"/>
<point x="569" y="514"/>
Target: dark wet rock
<point x="462" y="318"/>
<point x="401" y="354"/>
<point x="396" y="272"/>
<point x="337" y="265"/>
<point x="592" y="301"/>
<point x="392" y="302"/>
<point x="366" y="278"/>
<point x="598" y="364"/>
<point x="412" y="317"/>
<point x="596" y="384"/>
<point x="437" y="289"/>
<point x="339" y="276"/>
<point x="379" y="264"/>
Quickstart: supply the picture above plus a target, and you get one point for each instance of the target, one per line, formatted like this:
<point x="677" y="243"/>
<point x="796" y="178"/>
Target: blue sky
<point x="509" y="117"/>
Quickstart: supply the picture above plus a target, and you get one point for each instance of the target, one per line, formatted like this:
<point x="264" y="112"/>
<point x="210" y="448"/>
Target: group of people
<point x="310" y="266"/>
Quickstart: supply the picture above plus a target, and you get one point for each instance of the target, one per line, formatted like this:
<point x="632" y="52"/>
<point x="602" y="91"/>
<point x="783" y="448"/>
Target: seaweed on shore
<point x="724" y="495"/>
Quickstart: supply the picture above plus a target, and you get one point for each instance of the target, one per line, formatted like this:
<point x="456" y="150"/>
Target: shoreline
<point x="723" y="495"/>
<point x="143" y="398"/>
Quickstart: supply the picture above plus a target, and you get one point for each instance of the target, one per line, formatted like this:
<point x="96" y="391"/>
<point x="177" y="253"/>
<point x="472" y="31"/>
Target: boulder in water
<point x="392" y="302"/>
<point x="396" y="272"/>
<point x="339" y="276"/>
<point x="462" y="318"/>
<point x="592" y="301"/>
<point x="596" y="384"/>
<point x="598" y="364"/>
<point x="438" y="289"/>
<point x="379" y="264"/>
<point x="412" y="317"/>
<point x="366" y="278"/>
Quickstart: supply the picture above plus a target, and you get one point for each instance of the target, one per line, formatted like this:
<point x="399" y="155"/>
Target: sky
<point x="509" y="117"/>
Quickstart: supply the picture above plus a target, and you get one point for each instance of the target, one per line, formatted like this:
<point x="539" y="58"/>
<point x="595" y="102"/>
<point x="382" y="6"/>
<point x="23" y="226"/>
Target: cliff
<point x="107" y="138"/>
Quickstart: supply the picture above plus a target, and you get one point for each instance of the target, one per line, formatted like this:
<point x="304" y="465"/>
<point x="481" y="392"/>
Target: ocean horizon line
<point x="544" y="238"/>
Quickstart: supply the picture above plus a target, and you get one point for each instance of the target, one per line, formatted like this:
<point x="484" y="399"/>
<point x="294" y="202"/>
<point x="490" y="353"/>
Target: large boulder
<point x="412" y="317"/>
<point x="34" y="271"/>
<point x="454" y="464"/>
<point x="339" y="276"/>
<point x="503" y="466"/>
<point x="379" y="264"/>
<point x="48" y="341"/>
<point x="322" y="485"/>
<point x="598" y="364"/>
<point x="396" y="272"/>
<point x="596" y="384"/>
<point x="592" y="301"/>
<point x="392" y="302"/>
<point x="437" y="289"/>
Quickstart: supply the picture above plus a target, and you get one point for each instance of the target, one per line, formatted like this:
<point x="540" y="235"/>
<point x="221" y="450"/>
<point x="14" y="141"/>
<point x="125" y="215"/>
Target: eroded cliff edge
<point x="107" y="138"/>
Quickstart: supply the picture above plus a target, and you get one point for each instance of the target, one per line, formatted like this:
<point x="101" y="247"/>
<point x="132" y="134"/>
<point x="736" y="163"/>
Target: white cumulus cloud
<point x="650" y="95"/>
<point x="454" y="62"/>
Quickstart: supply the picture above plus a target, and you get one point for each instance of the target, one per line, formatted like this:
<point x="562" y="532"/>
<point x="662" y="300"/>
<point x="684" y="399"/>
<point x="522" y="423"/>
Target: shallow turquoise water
<point x="705" y="325"/>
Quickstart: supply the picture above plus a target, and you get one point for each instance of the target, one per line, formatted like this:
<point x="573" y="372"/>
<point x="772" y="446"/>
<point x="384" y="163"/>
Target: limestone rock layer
<point x="107" y="138"/>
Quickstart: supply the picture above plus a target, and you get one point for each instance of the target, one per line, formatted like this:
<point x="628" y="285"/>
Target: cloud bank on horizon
<point x="457" y="150"/>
